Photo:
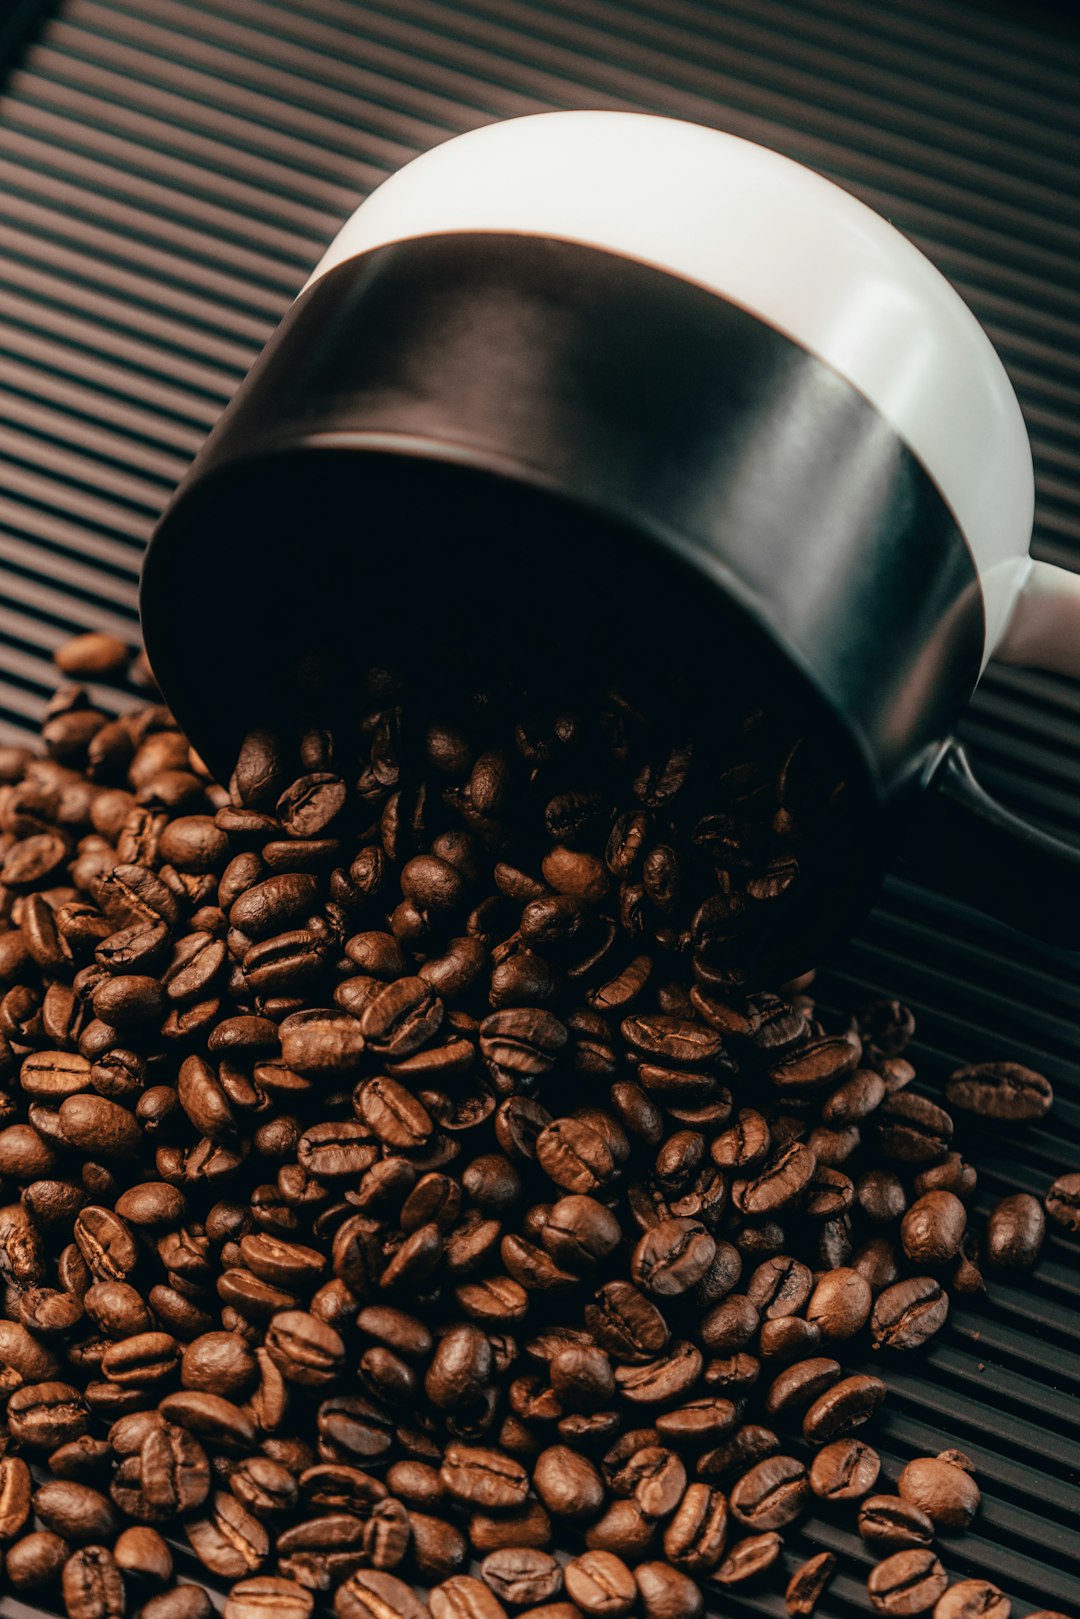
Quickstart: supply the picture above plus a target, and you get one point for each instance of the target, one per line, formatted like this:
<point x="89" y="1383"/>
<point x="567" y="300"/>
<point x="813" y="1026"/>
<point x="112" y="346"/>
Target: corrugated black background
<point x="169" y="172"/>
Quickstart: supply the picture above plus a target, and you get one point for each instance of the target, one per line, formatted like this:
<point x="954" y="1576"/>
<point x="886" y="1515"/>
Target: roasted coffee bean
<point x="748" y="1559"/>
<point x="889" y="1520"/>
<point x="35" y="1560"/>
<point x="181" y="1602"/>
<point x="228" y="1540"/>
<point x="672" y="1257"/>
<point x="1062" y="1201"/>
<point x="806" y="1585"/>
<point x="209" y="1416"/>
<point x="844" y="1470"/>
<point x="945" y="1492"/>
<point x="975" y="1599"/>
<point x="266" y="1595"/>
<point x="730" y="1325"/>
<point x="522" y="1575"/>
<point x="15" y="1492"/>
<point x="371" y="1594"/>
<point x="666" y="1593"/>
<point x="907" y="1314"/>
<point x="779" y="1183"/>
<point x="484" y="1478"/>
<point x="699" y="1423"/>
<point x="44" y="1416"/>
<point x="933" y="1228"/>
<point x="437" y="1549"/>
<point x="842" y="1408"/>
<point x="567" y="1483"/>
<point x="772" y="1494"/>
<point x="1005" y="1092"/>
<point x="74" y="1511"/>
<point x="744" y="1144"/>
<point x="840" y="1303"/>
<point x="322" y="1550"/>
<point x="798" y="1386"/>
<point x="600" y="1584"/>
<point x="92" y="1585"/>
<point x="462" y="1597"/>
<point x="142" y="1553"/>
<point x="694" y="1538"/>
<point x="913" y="1130"/>
<point x="1015" y="1232"/>
<point x="908" y="1582"/>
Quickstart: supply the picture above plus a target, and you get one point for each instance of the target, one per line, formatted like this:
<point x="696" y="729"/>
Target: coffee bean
<point x="974" y="1599"/>
<point x="946" y="1493"/>
<point x="748" y="1559"/>
<point x="74" y="1511"/>
<point x="1015" y="1232"/>
<point x="567" y="1483"/>
<point x="267" y="1595"/>
<point x="844" y="1470"/>
<point x="98" y="1127"/>
<point x="1062" y="1201"/>
<point x="806" y="1585"/>
<point x="781" y="1182"/>
<point x="744" y="1144"/>
<point x="142" y="1553"/>
<point x="772" y="1494"/>
<point x="698" y="1423"/>
<point x="799" y="1385"/>
<point x="889" y="1520"/>
<point x="1005" y="1092"/>
<point x="36" y="1560"/>
<point x="842" y="1408"/>
<point x="209" y="1416"/>
<point x="933" y="1227"/>
<point x="840" y="1304"/>
<point x="484" y="1478"/>
<point x="600" y="1584"/>
<point x="228" y="1540"/>
<point x="667" y="1593"/>
<point x="672" y="1257"/>
<point x="44" y="1416"/>
<point x="913" y="1130"/>
<point x="181" y="1602"/>
<point x="909" y="1582"/>
<point x="462" y="1597"/>
<point x="15" y="1491"/>
<point x="371" y="1594"/>
<point x="907" y="1314"/>
<point x="92" y="1586"/>
<point x="522" y="1575"/>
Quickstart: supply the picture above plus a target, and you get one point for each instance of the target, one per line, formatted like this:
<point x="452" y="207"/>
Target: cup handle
<point x="1044" y="630"/>
<point x="968" y="845"/>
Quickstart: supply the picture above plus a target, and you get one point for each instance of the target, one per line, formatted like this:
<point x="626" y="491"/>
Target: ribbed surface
<point x="169" y="172"/>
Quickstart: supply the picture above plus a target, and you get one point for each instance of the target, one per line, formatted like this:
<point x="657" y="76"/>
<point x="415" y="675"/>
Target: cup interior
<point x="326" y="562"/>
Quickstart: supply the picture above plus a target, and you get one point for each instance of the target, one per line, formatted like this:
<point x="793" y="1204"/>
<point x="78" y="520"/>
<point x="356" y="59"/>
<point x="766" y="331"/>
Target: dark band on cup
<point x="696" y="430"/>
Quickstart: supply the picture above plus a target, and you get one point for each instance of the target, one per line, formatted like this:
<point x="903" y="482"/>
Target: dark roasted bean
<point x="844" y="1470"/>
<point x="842" y="1408"/>
<point x="806" y="1585"/>
<point x="908" y="1313"/>
<point x="977" y="1599"/>
<point x="909" y="1582"/>
<point x="945" y="1492"/>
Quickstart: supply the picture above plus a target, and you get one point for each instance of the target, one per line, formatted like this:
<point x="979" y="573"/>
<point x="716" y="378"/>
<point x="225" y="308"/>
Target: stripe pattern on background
<point x="171" y="170"/>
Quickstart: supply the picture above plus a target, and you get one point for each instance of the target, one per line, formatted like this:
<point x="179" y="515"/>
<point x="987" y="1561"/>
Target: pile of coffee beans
<point x="405" y="1205"/>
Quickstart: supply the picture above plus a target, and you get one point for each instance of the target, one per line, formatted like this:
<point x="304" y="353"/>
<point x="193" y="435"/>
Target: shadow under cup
<point x="288" y="578"/>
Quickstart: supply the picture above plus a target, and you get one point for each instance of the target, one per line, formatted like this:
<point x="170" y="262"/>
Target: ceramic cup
<point x="586" y="379"/>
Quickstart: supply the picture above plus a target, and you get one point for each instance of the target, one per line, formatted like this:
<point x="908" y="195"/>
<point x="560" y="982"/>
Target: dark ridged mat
<point x="169" y="173"/>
